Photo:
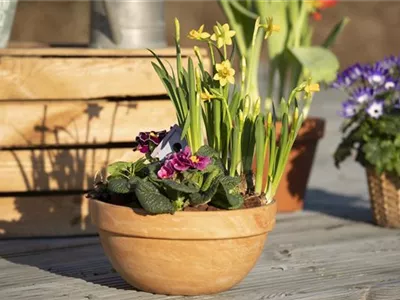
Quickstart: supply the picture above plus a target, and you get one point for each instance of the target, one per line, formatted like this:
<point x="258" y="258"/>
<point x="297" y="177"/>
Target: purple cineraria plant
<point x="348" y="77"/>
<point x="389" y="63"/>
<point x="373" y="89"/>
<point x="363" y="95"/>
<point x="375" y="109"/>
<point x="349" y="109"/>
<point x="376" y="75"/>
<point x="182" y="161"/>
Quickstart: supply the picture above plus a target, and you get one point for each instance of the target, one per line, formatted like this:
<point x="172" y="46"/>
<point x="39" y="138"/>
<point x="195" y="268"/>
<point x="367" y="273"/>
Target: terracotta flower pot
<point x="293" y="185"/>
<point x="188" y="253"/>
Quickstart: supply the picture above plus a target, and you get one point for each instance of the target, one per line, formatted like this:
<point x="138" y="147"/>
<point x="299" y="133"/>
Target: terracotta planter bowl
<point x="188" y="253"/>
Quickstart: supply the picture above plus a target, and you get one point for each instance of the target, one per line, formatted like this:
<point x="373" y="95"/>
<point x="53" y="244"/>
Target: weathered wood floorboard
<point x="309" y="256"/>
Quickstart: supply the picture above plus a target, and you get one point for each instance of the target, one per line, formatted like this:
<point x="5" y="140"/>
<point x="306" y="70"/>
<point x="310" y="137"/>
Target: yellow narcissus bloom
<point x="310" y="88"/>
<point x="222" y="35"/>
<point x="225" y="73"/>
<point x="198" y="34"/>
<point x="270" y="27"/>
<point x="206" y="96"/>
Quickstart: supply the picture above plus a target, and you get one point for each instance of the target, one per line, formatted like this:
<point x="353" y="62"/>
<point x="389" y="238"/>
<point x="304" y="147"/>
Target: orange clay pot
<point x="293" y="185"/>
<point x="188" y="253"/>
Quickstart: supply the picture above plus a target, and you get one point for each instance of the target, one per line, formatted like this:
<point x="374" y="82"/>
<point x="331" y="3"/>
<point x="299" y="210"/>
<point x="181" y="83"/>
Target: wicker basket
<point x="384" y="191"/>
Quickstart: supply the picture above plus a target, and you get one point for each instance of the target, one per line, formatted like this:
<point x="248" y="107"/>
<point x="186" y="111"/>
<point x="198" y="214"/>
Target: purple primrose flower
<point x="375" y="109"/>
<point x="145" y="142"/>
<point x="349" y="109"/>
<point x="182" y="161"/>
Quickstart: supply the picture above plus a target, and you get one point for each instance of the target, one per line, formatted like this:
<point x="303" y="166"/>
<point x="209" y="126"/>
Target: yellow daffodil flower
<point x="222" y="35"/>
<point x="310" y="88"/>
<point x="270" y="27"/>
<point x="225" y="73"/>
<point x="198" y="34"/>
<point x="206" y="96"/>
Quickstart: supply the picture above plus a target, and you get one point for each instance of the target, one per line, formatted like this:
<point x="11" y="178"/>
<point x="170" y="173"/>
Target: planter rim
<point x="186" y="225"/>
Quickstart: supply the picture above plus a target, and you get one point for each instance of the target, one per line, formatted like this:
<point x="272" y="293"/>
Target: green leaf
<point x="118" y="167"/>
<point x="330" y="40"/>
<point x="177" y="186"/>
<point x="118" y="185"/>
<point x="320" y="63"/>
<point x="206" y="150"/>
<point x="151" y="199"/>
<point x="228" y="195"/>
<point x="204" y="197"/>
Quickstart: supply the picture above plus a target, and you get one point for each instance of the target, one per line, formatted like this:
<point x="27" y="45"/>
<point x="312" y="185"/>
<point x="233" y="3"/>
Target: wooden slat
<point x="33" y="123"/>
<point x="81" y="73"/>
<point x="89" y="52"/>
<point x="56" y="169"/>
<point x="54" y="215"/>
<point x="77" y="78"/>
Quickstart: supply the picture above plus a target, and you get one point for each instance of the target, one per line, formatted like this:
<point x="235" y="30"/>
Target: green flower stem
<point x="260" y="152"/>
<point x="178" y="49"/>
<point x="194" y="110"/>
<point x="236" y="144"/>
<point x="211" y="50"/>
<point x="217" y="125"/>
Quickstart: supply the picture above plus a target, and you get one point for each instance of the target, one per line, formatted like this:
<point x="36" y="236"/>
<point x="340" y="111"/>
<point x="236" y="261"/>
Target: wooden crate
<point x="64" y="115"/>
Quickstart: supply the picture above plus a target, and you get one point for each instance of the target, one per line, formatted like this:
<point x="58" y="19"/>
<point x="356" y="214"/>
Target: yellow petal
<point x="225" y="27"/>
<point x="216" y="77"/>
<point x="201" y="28"/>
<point x="222" y="81"/>
<point x="204" y="35"/>
<point x="213" y="37"/>
<point x="231" y="33"/>
<point x="231" y="79"/>
<point x="220" y="42"/>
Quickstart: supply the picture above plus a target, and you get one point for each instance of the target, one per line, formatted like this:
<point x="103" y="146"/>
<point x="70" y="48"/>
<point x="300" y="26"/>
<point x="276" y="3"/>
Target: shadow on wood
<point x="338" y="205"/>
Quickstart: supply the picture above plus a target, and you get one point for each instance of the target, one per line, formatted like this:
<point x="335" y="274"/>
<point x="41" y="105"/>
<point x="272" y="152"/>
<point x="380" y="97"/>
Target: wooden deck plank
<point x="302" y="260"/>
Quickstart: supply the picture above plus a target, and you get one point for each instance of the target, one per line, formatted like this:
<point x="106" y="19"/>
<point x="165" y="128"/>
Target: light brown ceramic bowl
<point x="188" y="253"/>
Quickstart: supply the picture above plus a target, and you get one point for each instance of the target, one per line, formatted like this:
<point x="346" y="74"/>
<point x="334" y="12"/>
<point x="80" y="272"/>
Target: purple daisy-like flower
<point x="145" y="142"/>
<point x="390" y="84"/>
<point x="375" y="109"/>
<point x="363" y="95"/>
<point x="388" y="63"/>
<point x="349" y="109"/>
<point x="376" y="76"/>
<point x="346" y="78"/>
<point x="182" y="161"/>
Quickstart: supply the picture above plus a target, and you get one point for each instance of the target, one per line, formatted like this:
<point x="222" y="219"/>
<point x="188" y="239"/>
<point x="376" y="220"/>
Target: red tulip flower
<point x="321" y="5"/>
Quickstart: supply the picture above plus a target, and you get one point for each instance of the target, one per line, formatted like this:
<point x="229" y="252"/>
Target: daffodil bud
<point x="177" y="29"/>
<point x="296" y="115"/>
<point x="241" y="119"/>
<point x="198" y="78"/>
<point x="244" y="69"/>
<point x="257" y="107"/>
<point x="269" y="119"/>
<point x="246" y="105"/>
